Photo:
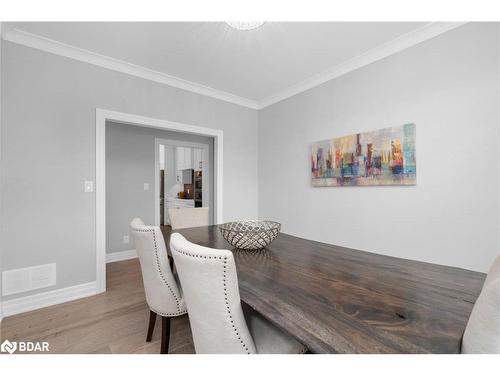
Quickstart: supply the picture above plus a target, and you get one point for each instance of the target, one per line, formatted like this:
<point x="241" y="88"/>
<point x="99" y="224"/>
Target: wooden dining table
<point x="339" y="300"/>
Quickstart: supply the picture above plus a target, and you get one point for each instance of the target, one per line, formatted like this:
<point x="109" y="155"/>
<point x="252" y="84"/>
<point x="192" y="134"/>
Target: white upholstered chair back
<point x="482" y="334"/>
<point x="162" y="292"/>
<point x="188" y="217"/>
<point x="210" y="286"/>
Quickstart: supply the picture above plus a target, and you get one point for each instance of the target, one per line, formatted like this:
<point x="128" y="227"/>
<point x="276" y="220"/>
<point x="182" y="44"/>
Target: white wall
<point x="48" y="150"/>
<point x="448" y="87"/>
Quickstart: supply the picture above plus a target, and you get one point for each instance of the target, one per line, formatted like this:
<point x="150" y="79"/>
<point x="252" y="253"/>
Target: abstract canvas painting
<point x="381" y="157"/>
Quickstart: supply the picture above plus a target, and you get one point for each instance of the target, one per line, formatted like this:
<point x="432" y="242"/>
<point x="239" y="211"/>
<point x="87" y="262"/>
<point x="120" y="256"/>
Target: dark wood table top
<point x="339" y="300"/>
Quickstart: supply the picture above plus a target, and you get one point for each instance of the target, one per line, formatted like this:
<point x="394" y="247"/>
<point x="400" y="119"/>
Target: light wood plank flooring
<point x="111" y="322"/>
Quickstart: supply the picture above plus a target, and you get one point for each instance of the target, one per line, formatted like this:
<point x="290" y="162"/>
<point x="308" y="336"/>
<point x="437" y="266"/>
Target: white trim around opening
<point x="102" y="116"/>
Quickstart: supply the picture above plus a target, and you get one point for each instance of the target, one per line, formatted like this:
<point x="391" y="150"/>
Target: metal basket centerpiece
<point x="250" y="234"/>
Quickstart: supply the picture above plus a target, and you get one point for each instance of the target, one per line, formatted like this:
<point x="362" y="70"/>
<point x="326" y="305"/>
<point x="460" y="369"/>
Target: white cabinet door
<point x="184" y="158"/>
<point x="188" y="158"/>
<point x="179" y="156"/>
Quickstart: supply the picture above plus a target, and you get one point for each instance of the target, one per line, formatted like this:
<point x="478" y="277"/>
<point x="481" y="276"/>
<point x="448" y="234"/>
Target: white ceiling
<point x="252" y="64"/>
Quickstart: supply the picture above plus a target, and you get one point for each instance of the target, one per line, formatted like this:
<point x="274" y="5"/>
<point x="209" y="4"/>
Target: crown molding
<point x="48" y="45"/>
<point x="387" y="49"/>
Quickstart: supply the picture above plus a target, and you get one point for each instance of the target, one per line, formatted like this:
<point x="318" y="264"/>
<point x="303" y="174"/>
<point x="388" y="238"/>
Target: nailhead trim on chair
<point x="229" y="309"/>
<point x="179" y="311"/>
<point x="224" y="277"/>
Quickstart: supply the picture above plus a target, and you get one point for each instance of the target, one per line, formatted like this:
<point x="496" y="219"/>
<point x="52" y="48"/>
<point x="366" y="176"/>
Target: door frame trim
<point x="103" y="115"/>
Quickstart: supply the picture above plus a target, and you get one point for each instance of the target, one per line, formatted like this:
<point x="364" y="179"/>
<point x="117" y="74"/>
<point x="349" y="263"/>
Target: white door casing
<point x="102" y="116"/>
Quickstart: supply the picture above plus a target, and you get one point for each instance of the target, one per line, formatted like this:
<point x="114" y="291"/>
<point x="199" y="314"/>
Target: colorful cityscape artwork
<point x="382" y="157"/>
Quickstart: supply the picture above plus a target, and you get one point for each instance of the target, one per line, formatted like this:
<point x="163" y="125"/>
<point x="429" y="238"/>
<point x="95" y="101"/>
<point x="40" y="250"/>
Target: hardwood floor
<point x="111" y="322"/>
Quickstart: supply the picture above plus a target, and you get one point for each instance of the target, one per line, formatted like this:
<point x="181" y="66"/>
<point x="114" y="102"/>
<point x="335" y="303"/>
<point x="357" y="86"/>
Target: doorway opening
<point x="216" y="173"/>
<point x="184" y="177"/>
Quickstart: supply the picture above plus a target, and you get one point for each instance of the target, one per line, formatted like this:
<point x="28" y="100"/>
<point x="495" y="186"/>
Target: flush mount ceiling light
<point x="245" y="25"/>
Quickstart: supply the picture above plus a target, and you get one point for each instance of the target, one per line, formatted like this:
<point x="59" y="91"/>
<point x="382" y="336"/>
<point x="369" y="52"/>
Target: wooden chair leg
<point x="165" y="334"/>
<point x="152" y="321"/>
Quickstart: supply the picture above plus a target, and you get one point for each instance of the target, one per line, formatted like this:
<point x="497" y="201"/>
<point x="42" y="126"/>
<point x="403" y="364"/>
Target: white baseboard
<point x="120" y="255"/>
<point x="52" y="297"/>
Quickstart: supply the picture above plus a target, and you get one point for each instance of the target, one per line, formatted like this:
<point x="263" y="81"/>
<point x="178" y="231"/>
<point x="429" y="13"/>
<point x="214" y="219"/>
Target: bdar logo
<point x="24" y="346"/>
<point x="9" y="347"/>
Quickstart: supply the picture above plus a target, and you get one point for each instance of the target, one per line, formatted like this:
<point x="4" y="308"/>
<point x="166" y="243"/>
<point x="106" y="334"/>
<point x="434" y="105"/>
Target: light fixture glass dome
<point x="245" y="25"/>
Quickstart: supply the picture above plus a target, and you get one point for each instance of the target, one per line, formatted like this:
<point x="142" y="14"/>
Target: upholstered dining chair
<point x="163" y="292"/>
<point x="188" y="217"/>
<point x="482" y="334"/>
<point x="219" y="324"/>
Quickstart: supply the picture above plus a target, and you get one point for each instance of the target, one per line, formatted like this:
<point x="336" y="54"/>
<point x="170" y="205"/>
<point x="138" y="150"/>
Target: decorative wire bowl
<point x="250" y="234"/>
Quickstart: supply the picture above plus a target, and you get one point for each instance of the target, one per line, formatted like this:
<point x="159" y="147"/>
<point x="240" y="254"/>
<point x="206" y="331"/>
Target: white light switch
<point x="126" y="239"/>
<point x="89" y="186"/>
<point x="146" y="186"/>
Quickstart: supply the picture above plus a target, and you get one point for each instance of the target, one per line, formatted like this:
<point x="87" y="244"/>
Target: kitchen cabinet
<point x="184" y="158"/>
<point x="176" y="203"/>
